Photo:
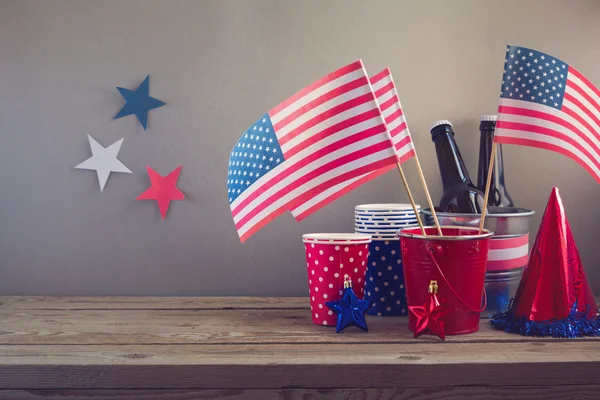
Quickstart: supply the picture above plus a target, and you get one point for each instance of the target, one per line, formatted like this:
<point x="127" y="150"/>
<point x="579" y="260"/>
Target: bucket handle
<point x="429" y="247"/>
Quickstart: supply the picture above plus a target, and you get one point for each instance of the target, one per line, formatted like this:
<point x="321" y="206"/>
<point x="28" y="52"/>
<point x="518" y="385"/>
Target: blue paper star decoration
<point x="139" y="102"/>
<point x="350" y="310"/>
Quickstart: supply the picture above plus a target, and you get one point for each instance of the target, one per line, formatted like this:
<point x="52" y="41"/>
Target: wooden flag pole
<point x="410" y="197"/>
<point x="435" y="218"/>
<point x="487" y="187"/>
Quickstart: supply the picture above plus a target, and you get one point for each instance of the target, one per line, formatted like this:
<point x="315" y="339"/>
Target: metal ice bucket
<point x="508" y="250"/>
<point x="503" y="221"/>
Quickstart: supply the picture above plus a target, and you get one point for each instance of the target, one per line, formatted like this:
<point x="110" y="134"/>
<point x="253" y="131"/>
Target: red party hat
<point x="554" y="296"/>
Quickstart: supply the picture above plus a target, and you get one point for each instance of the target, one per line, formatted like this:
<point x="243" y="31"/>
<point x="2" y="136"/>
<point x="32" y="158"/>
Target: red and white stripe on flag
<point x="330" y="132"/>
<point x="391" y="110"/>
<point x="548" y="104"/>
<point x="508" y="253"/>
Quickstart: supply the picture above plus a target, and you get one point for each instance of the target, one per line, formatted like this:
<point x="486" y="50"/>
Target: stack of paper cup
<point x="384" y="286"/>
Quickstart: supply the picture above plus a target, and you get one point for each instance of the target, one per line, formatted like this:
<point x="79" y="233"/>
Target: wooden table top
<point x="250" y="347"/>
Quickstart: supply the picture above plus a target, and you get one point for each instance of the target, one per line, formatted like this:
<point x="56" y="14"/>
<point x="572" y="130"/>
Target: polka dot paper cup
<point x="385" y="279"/>
<point x="330" y="256"/>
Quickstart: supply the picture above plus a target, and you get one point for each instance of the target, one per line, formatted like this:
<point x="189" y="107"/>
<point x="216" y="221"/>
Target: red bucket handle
<point x="429" y="248"/>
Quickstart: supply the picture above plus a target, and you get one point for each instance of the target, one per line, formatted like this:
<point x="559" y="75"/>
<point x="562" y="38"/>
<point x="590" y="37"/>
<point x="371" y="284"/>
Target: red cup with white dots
<point x="330" y="256"/>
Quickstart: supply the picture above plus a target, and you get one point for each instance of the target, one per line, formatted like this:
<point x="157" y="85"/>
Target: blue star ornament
<point x="139" y="102"/>
<point x="350" y="309"/>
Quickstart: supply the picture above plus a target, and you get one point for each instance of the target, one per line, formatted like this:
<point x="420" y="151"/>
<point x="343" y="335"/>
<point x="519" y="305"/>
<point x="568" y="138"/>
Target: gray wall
<point x="219" y="65"/>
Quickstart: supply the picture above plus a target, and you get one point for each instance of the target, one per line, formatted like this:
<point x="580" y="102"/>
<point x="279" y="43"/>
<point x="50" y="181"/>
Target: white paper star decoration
<point x="104" y="160"/>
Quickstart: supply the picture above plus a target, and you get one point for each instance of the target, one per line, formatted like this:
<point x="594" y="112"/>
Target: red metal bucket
<point x="457" y="261"/>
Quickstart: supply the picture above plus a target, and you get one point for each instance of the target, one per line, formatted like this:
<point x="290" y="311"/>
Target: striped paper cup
<point x="384" y="208"/>
<point x="389" y="217"/>
<point x="384" y="237"/>
<point x="379" y="231"/>
<point x="385" y="224"/>
<point x="385" y="219"/>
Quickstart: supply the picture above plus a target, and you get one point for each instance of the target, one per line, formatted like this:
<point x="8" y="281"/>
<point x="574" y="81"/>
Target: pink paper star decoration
<point x="162" y="189"/>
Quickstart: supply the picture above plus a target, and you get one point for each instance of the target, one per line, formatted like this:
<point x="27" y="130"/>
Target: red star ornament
<point x="429" y="315"/>
<point x="162" y="189"/>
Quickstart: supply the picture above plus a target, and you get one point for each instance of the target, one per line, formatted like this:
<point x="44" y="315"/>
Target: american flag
<point x="548" y="104"/>
<point x="328" y="133"/>
<point x="391" y="110"/>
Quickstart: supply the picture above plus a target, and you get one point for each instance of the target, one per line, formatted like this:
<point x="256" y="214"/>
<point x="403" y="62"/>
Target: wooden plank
<point x="303" y="376"/>
<point x="285" y="366"/>
<point x="581" y="392"/>
<point x="571" y="351"/>
<point x="261" y="326"/>
<point x="154" y="303"/>
<point x="145" y="303"/>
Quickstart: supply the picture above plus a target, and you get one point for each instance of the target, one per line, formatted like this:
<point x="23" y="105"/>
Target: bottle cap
<point x="488" y="118"/>
<point x="440" y="122"/>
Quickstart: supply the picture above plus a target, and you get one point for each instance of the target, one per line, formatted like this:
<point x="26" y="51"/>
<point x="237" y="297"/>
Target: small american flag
<point x="326" y="134"/>
<point x="391" y="110"/>
<point x="548" y="104"/>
